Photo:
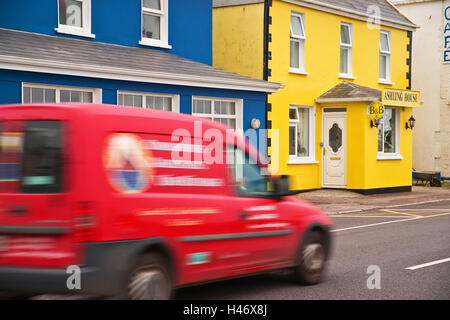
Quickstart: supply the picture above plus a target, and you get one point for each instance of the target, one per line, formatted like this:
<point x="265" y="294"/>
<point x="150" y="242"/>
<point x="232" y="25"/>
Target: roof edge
<point x="339" y="100"/>
<point x="92" y="71"/>
<point x="313" y="4"/>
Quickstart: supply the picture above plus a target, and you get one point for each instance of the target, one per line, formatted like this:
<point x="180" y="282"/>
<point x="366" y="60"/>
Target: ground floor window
<point x="228" y="112"/>
<point x="148" y="100"/>
<point x="36" y="93"/>
<point x="301" y="133"/>
<point x="388" y="133"/>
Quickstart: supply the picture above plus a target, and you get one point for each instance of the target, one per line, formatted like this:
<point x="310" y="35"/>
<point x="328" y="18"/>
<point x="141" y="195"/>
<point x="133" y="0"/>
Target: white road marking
<point x="432" y="263"/>
<point x="375" y="224"/>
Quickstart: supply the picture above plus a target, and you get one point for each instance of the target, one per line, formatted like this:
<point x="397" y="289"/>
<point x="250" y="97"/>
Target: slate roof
<point x="388" y="11"/>
<point x="349" y="92"/>
<point x="74" y="55"/>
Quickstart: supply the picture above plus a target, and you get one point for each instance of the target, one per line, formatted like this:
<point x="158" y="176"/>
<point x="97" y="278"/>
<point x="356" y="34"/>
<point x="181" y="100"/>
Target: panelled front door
<point x="334" y="149"/>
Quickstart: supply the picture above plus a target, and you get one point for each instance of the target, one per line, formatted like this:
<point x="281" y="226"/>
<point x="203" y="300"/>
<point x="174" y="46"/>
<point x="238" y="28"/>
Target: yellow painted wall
<point x="238" y="39"/>
<point x="322" y="51"/>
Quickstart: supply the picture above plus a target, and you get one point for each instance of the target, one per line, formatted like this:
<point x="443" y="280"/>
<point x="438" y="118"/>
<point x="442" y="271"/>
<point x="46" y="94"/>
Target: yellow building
<point x="337" y="60"/>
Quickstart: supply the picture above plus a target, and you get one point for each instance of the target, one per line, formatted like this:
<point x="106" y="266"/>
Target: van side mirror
<point x="281" y="186"/>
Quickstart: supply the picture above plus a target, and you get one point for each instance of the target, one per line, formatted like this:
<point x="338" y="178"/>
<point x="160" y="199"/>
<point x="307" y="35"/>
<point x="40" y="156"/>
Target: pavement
<point x="342" y="201"/>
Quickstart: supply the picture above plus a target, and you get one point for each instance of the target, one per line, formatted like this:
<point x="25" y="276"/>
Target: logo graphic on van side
<point x="128" y="163"/>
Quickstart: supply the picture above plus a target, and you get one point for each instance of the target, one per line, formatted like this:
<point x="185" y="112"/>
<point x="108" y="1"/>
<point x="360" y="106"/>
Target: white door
<point x="334" y="149"/>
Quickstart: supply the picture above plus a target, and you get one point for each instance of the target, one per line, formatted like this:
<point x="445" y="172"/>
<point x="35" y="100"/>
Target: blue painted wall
<point x="119" y="22"/>
<point x="253" y="102"/>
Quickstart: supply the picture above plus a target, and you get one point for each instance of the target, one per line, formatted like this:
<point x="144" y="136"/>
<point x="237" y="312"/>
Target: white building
<point x="431" y="75"/>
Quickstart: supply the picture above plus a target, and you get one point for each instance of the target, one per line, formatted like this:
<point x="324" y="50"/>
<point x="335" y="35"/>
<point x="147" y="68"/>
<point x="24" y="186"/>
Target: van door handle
<point x="243" y="215"/>
<point x="18" y="209"/>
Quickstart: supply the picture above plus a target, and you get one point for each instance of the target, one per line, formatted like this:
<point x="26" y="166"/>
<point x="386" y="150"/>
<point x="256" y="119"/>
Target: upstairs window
<point x="155" y="19"/>
<point x="385" y="56"/>
<point x="346" y="59"/>
<point x="297" y="51"/>
<point x="74" y="17"/>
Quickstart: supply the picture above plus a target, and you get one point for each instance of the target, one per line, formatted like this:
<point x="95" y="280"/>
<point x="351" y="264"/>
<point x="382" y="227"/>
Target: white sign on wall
<point x="447" y="34"/>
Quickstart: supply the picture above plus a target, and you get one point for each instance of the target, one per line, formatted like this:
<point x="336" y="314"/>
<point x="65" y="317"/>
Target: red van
<point x="142" y="202"/>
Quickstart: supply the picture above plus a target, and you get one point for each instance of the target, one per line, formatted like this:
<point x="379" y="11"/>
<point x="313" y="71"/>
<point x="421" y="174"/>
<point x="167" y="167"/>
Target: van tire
<point x="150" y="279"/>
<point x="311" y="259"/>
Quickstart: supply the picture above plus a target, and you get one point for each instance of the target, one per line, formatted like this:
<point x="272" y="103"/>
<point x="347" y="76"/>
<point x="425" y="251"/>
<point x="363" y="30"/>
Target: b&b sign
<point x="375" y="110"/>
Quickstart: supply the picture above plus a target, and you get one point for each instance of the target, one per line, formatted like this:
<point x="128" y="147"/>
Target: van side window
<point x="42" y="157"/>
<point x="10" y="155"/>
<point x="250" y="179"/>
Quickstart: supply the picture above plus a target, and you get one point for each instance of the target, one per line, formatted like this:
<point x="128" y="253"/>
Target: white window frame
<point x="238" y="108"/>
<point x="381" y="155"/>
<point x="301" y="43"/>
<point x="163" y="14"/>
<point x="349" y="48"/>
<point x="387" y="54"/>
<point x="85" y="30"/>
<point x="311" y="159"/>
<point x="175" y="98"/>
<point x="96" y="93"/>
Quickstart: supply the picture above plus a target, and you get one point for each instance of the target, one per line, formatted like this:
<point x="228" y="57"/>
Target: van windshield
<point x="31" y="157"/>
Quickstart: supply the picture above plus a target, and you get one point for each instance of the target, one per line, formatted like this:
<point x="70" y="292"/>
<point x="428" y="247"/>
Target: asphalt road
<point x="391" y="239"/>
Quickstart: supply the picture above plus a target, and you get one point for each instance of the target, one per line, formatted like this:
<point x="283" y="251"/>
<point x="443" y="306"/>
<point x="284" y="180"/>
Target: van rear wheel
<point x="150" y="279"/>
<point x="311" y="260"/>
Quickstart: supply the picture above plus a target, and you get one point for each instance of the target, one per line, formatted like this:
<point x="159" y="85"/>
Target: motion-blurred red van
<point x="141" y="202"/>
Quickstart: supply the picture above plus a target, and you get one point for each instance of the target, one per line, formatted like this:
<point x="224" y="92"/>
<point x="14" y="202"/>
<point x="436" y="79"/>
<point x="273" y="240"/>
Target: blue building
<point x="143" y="53"/>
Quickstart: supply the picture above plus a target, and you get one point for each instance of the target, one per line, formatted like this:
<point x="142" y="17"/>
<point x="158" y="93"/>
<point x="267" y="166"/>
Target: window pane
<point x="128" y="100"/>
<point x="167" y="104"/>
<point x="87" y="97"/>
<point x="384" y="42"/>
<point x="37" y="95"/>
<point x="42" y="157"/>
<point x="303" y="133"/>
<point x="159" y="103"/>
<point x="202" y="106"/>
<point x="152" y="4"/>
<point x="232" y="123"/>
<point x="389" y="131"/>
<point x="292" y="140"/>
<point x="224" y="107"/>
<point x="343" y="67"/>
<point x="295" y="54"/>
<point x="50" y="95"/>
<point x="345" y="34"/>
<point x="293" y="114"/>
<point x="120" y="100"/>
<point x="137" y="101"/>
<point x="380" y="137"/>
<point x="383" y="67"/>
<point x="64" y="96"/>
<point x="26" y="95"/>
<point x="151" y="26"/>
<point x="75" y="96"/>
<point x="297" y="27"/>
<point x="71" y="13"/>
<point x="150" y="102"/>
<point x="249" y="177"/>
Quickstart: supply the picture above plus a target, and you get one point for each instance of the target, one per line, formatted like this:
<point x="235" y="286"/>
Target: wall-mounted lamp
<point x="374" y="122"/>
<point x="410" y="123"/>
<point x="255" y="123"/>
